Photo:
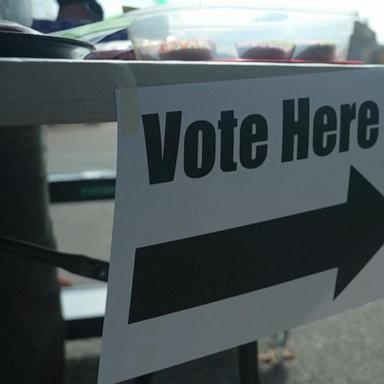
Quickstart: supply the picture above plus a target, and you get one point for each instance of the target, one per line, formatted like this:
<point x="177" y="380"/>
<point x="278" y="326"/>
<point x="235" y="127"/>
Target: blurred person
<point x="376" y="56"/>
<point x="72" y="13"/>
<point x="31" y="323"/>
<point x="83" y="11"/>
<point x="19" y="11"/>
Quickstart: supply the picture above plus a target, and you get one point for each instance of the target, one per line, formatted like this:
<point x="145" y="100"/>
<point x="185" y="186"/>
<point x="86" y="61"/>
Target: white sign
<point x="243" y="208"/>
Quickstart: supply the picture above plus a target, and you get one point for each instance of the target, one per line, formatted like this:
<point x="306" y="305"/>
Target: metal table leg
<point x="248" y="364"/>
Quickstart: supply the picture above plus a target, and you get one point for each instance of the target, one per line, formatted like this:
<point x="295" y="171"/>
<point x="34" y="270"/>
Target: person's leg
<point x="31" y="325"/>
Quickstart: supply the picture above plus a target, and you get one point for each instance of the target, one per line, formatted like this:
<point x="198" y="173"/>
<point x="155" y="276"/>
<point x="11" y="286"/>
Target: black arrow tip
<point x="365" y="209"/>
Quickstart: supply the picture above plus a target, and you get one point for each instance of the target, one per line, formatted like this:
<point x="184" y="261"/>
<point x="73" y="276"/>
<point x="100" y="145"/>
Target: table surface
<point x="62" y="91"/>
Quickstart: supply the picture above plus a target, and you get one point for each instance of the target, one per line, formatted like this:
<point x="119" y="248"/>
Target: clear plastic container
<point x="239" y="32"/>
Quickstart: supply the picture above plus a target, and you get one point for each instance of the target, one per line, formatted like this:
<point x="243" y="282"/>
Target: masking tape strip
<point x="127" y="101"/>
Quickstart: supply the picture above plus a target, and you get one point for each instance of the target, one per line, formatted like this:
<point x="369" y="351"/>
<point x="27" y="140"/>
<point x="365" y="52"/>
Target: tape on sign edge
<point x="127" y="102"/>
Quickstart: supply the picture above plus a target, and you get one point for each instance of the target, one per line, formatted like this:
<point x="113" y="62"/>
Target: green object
<point x="98" y="192"/>
<point x="96" y="31"/>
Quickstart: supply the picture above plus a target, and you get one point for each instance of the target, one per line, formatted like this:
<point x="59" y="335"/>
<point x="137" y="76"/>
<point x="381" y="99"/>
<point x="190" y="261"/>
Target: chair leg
<point x="145" y="379"/>
<point x="248" y="363"/>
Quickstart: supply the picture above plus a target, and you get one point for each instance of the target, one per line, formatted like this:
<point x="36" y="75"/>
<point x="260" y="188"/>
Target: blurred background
<point x="370" y="11"/>
<point x="347" y="348"/>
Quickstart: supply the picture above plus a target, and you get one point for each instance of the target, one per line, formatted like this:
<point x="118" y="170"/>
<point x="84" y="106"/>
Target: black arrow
<point x="186" y="273"/>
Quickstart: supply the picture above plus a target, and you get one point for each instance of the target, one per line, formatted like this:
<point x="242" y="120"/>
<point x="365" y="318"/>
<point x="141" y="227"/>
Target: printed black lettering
<point x="227" y="125"/>
<point x="324" y="128"/>
<point x="347" y="115"/>
<point x="206" y="131"/>
<point x="295" y="129"/>
<point x="254" y="129"/>
<point x="368" y="120"/>
<point x="162" y="158"/>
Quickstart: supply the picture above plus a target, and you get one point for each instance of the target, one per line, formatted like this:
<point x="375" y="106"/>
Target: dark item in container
<point x="318" y="52"/>
<point x="265" y="52"/>
<point x="187" y="54"/>
<point x="19" y="41"/>
<point x="187" y="50"/>
<point x="115" y="54"/>
<point x="14" y="44"/>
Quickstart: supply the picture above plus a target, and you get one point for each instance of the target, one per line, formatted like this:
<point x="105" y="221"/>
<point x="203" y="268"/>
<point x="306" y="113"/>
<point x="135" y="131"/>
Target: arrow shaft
<point x="186" y="273"/>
